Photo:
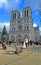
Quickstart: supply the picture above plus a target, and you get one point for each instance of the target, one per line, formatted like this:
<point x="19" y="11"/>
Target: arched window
<point x="27" y="13"/>
<point x="14" y="29"/>
<point x="13" y="16"/>
<point x="27" y="27"/>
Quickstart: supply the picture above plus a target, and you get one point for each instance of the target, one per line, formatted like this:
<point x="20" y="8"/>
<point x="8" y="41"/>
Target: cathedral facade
<point x="21" y="27"/>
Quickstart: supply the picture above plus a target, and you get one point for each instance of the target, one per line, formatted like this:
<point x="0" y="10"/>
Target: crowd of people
<point x="24" y="43"/>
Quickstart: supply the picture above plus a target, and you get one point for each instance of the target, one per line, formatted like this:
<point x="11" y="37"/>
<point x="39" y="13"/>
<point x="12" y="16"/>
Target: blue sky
<point x="6" y="6"/>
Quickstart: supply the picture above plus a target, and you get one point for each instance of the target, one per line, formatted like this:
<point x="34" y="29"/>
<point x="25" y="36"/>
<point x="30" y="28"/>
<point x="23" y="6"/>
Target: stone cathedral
<point x="21" y="27"/>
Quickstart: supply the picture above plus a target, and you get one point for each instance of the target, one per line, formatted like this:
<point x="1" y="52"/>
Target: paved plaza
<point x="29" y="56"/>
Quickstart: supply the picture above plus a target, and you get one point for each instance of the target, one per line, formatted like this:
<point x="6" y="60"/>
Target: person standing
<point x="26" y="41"/>
<point x="24" y="45"/>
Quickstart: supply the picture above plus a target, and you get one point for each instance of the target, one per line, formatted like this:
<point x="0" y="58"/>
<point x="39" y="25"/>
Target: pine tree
<point x="4" y="34"/>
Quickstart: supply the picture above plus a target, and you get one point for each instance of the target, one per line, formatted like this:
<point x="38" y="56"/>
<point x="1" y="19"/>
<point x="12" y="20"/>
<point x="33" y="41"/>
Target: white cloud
<point x="10" y="4"/>
<point x="7" y="26"/>
<point x="40" y="28"/>
<point x="34" y="25"/>
<point x="17" y="0"/>
<point x="3" y="2"/>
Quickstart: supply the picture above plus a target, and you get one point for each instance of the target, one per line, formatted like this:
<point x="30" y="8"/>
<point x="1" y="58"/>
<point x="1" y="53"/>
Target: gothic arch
<point x="12" y="38"/>
<point x="25" y="36"/>
<point x="19" y="38"/>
